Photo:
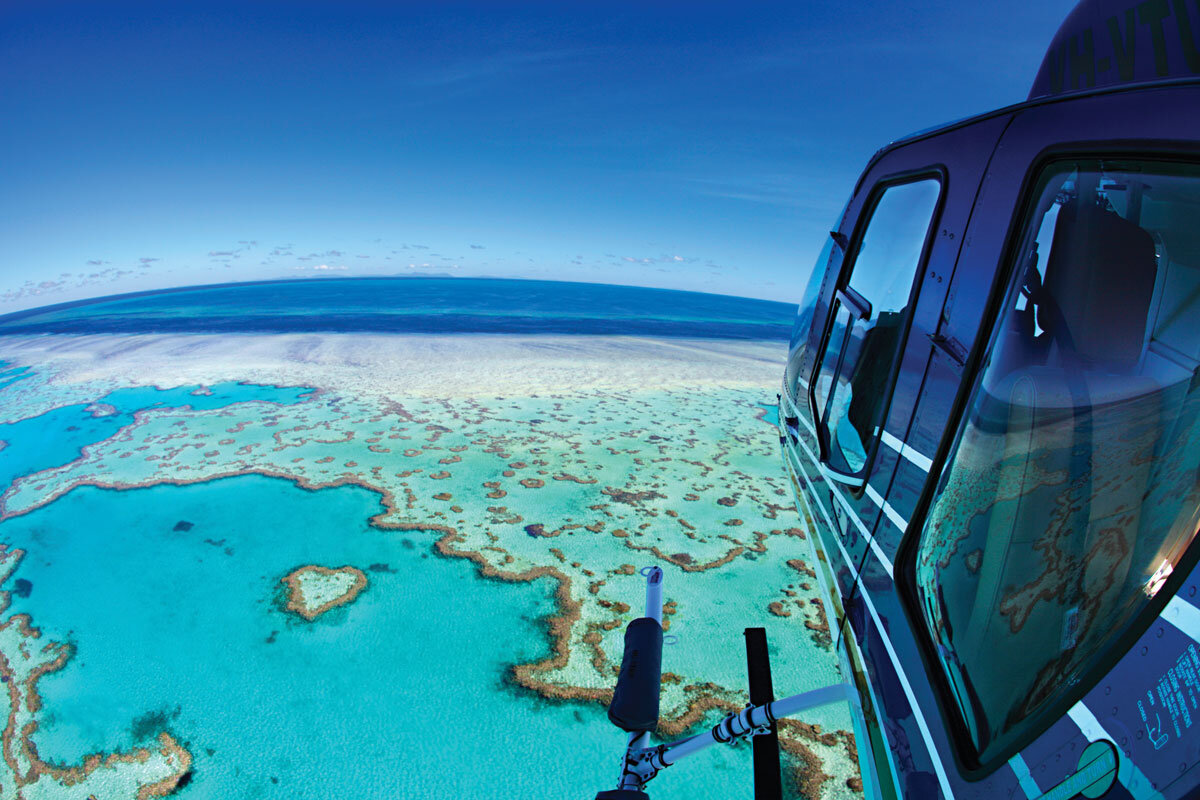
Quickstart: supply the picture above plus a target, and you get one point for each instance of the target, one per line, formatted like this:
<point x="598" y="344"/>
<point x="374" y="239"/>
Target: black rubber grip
<point x="635" y="701"/>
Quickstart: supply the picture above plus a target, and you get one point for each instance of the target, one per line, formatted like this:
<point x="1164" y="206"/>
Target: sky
<point x="703" y="146"/>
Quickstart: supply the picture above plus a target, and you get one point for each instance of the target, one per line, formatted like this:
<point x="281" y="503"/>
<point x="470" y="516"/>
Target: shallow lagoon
<point x="57" y="436"/>
<point x="183" y="630"/>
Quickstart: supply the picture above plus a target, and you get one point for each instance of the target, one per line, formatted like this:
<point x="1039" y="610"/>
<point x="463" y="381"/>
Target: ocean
<point x="495" y="458"/>
<point x="416" y="305"/>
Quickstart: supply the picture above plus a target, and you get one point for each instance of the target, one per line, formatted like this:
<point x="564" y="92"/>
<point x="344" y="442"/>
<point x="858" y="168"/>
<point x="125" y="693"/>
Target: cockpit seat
<point x="1098" y="287"/>
<point x="1070" y="434"/>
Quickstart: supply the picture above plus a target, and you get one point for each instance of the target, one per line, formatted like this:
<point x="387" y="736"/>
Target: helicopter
<point x="990" y="415"/>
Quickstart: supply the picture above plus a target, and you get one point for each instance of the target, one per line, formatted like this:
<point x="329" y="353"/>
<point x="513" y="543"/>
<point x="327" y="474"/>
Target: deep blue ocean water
<point x="417" y="305"/>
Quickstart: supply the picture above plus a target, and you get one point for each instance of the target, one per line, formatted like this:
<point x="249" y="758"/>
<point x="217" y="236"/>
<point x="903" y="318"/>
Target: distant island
<point x="313" y="590"/>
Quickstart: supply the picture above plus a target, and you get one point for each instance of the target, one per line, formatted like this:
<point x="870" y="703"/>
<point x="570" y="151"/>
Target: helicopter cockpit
<point x="1072" y="492"/>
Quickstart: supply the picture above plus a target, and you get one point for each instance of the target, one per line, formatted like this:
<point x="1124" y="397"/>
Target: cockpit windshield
<point x="1072" y="492"/>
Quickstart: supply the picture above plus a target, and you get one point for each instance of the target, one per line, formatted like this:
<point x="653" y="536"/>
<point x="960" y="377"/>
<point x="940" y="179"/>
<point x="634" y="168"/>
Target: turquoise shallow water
<point x="56" y="437"/>
<point x="771" y="414"/>
<point x="400" y="694"/>
<point x="405" y="692"/>
<point x="10" y="375"/>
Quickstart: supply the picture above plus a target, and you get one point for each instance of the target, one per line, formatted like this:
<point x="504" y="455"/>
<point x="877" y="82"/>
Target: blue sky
<point x="703" y="146"/>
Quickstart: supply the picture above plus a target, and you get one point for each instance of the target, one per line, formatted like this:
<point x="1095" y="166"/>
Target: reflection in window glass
<point x="1072" y="492"/>
<point x="891" y="247"/>
<point x="884" y="271"/>
<point x="849" y="454"/>
<point x="802" y="327"/>
<point x="837" y="337"/>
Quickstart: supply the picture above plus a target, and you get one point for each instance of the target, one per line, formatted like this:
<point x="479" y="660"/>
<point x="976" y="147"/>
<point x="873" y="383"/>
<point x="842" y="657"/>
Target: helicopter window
<point x="833" y="352"/>
<point x="871" y="319"/>
<point x="798" y="347"/>
<point x="1072" y="491"/>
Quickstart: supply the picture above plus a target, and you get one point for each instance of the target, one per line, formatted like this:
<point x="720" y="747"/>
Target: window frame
<point x="843" y="292"/>
<point x="1000" y="296"/>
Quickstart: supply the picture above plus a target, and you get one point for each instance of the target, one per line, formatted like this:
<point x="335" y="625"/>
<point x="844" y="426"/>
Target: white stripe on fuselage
<point x="1028" y="784"/>
<point x="850" y="512"/>
<point x="1183" y="615"/>
<point x="892" y="514"/>
<point x="935" y="757"/>
<point x="906" y="451"/>
<point x="833" y="478"/>
<point x="1128" y="774"/>
<point x="809" y="498"/>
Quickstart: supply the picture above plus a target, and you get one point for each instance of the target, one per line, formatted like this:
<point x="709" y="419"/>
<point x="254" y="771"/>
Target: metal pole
<point x="748" y="719"/>
<point x="642" y="762"/>
<point x="654" y="577"/>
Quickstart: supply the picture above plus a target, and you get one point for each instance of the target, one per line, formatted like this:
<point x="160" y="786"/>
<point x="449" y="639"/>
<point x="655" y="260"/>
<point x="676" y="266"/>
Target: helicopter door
<point x="871" y="510"/>
<point x="857" y="363"/>
<point x="1084" y="377"/>
<point x="870" y="319"/>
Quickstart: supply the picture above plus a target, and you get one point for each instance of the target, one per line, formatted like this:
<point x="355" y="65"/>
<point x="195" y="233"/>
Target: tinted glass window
<point x="872" y="320"/>
<point x="1071" y="493"/>
<point x="891" y="247"/>
<point x="797" y="363"/>
<point x="833" y="352"/>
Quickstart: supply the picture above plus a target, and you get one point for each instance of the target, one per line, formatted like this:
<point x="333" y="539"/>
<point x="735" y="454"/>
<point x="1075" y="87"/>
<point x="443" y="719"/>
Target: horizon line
<point x="27" y="312"/>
